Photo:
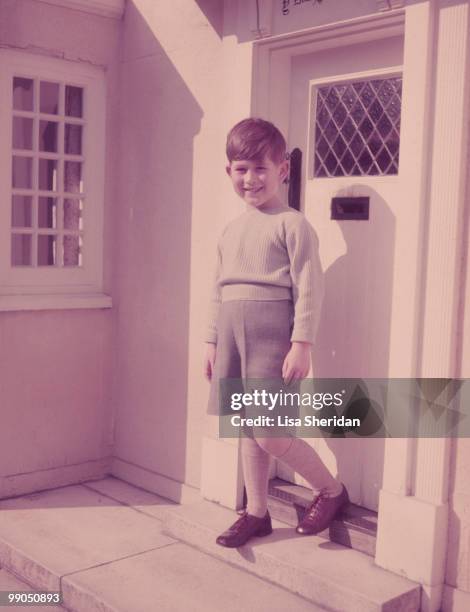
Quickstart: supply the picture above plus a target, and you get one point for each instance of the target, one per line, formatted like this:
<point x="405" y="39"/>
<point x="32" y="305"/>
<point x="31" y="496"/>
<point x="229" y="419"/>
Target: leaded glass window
<point x="357" y="128"/>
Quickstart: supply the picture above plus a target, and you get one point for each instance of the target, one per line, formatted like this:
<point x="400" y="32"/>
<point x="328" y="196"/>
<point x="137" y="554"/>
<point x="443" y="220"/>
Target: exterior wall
<point x="56" y="364"/>
<point x="171" y="169"/>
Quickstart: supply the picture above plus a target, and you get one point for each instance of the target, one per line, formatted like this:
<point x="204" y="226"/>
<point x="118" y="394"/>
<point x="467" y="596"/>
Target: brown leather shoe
<point x="242" y="530"/>
<point x="321" y="512"/>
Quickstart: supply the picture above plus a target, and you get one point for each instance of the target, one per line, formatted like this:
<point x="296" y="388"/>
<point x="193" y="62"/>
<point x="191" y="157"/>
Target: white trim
<point x="54" y="301"/>
<point x="105" y="8"/>
<point x="303" y="41"/>
<point x="363" y="74"/>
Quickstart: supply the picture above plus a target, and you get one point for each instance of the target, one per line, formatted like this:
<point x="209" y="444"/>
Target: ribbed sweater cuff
<point x="211" y="337"/>
<point x="301" y="335"/>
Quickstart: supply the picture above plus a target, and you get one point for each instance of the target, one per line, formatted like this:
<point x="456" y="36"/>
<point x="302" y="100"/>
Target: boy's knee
<point x="274" y="446"/>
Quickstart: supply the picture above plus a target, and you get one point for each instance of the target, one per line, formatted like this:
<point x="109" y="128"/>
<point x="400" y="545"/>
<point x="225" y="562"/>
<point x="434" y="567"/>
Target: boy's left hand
<point x="297" y="362"/>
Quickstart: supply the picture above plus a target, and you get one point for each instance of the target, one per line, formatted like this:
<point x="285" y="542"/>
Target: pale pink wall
<point x="56" y="365"/>
<point x="43" y="28"/>
<point x="171" y="155"/>
<point x="54" y="394"/>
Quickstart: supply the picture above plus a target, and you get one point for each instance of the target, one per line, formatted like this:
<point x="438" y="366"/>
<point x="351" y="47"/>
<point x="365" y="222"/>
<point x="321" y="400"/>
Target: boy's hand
<point x="297" y="362"/>
<point x="209" y="360"/>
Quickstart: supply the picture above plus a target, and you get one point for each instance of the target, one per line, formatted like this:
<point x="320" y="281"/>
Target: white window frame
<point x="341" y="79"/>
<point x="50" y="286"/>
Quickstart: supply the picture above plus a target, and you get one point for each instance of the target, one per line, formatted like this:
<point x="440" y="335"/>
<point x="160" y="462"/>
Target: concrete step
<point x="101" y="544"/>
<point x="327" y="574"/>
<point x="10" y="583"/>
<point x="356" y="527"/>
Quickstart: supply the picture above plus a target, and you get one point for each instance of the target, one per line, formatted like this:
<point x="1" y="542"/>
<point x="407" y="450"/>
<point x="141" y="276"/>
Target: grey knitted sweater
<point x="270" y="254"/>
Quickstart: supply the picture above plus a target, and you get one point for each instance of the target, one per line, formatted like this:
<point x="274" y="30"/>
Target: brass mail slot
<point x="350" y="209"/>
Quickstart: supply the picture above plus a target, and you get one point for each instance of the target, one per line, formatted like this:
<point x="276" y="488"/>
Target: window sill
<point x="54" y="301"/>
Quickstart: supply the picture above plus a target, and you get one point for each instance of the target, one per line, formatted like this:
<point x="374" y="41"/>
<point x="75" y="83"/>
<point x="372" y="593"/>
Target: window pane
<point x="47" y="251"/>
<point x="22" y="133"/>
<point x="22" y="172"/>
<point x="21" y="211"/>
<point x="48" y="174"/>
<point x="357" y="128"/>
<point x="21" y="249"/>
<point x="347" y="162"/>
<point x="72" y="250"/>
<point x="73" y="211"/>
<point x="47" y="212"/>
<point x="349" y="97"/>
<point x="48" y="136"/>
<point x="23" y="94"/>
<point x="73" y="177"/>
<point x="73" y="139"/>
<point x="49" y="98"/>
<point x="73" y="101"/>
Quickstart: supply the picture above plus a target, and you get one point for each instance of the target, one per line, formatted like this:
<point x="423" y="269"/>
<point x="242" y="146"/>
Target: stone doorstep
<point x="325" y="573"/>
<point x="10" y="582"/>
<point x="356" y="527"/>
<point x="137" y="569"/>
<point x="172" y="578"/>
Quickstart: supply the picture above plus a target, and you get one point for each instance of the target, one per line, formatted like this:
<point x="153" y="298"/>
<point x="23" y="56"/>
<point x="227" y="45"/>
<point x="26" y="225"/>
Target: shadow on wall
<point x="354" y="332"/>
<point x="211" y="9"/>
<point x="159" y="118"/>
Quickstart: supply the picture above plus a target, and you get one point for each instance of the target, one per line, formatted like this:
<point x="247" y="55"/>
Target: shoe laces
<point x="242" y="520"/>
<point x="317" y="504"/>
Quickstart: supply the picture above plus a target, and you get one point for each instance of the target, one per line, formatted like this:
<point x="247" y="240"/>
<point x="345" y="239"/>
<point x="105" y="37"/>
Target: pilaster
<point x="221" y="475"/>
<point x="413" y="508"/>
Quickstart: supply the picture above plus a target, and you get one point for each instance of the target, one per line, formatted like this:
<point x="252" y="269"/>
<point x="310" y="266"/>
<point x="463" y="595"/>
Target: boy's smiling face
<point x="257" y="181"/>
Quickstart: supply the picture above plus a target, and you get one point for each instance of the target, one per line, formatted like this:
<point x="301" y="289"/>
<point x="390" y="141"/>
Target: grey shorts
<point x="253" y="339"/>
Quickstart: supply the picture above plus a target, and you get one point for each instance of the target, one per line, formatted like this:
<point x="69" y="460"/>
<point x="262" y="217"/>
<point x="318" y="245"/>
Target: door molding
<point x="413" y="507"/>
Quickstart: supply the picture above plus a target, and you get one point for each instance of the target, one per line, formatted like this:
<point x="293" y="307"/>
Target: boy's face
<point x="257" y="182"/>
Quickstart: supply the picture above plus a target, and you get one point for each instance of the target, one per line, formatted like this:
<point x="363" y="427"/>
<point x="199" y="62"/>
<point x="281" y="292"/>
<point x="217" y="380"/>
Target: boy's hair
<point x="254" y="138"/>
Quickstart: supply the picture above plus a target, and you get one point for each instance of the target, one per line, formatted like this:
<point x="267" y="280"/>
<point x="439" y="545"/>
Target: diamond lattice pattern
<point x="357" y="128"/>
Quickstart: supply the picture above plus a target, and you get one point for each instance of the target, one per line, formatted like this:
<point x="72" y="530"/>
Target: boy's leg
<point x="304" y="460"/>
<point x="255" y="463"/>
<point x="266" y="342"/>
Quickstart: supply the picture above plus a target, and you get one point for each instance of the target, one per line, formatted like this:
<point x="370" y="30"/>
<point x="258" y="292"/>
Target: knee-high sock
<point x="304" y="459"/>
<point x="255" y="462"/>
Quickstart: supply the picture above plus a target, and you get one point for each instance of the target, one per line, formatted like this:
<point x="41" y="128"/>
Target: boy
<point x="264" y="315"/>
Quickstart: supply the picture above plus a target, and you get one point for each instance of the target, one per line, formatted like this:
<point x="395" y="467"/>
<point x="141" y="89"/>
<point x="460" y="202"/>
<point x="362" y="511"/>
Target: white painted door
<point x="345" y="118"/>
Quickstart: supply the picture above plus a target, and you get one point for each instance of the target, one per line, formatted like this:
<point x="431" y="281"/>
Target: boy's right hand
<point x="209" y="361"/>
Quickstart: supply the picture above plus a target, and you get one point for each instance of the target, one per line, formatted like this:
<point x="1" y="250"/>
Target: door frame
<point x="413" y="504"/>
<point x="400" y="508"/>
